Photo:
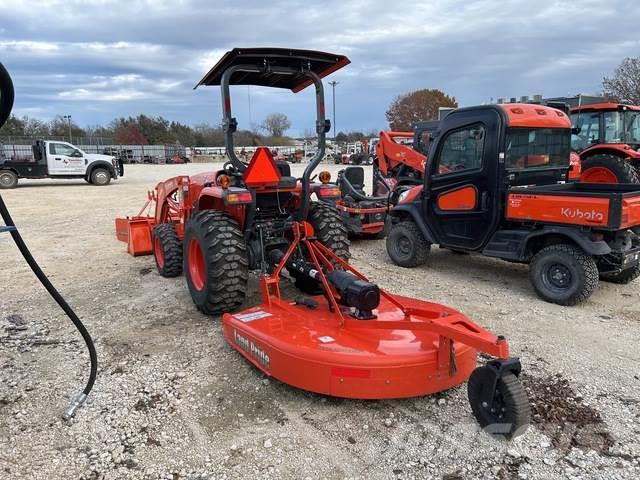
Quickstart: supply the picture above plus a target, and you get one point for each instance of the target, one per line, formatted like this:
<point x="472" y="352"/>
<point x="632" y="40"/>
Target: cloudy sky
<point x="98" y="59"/>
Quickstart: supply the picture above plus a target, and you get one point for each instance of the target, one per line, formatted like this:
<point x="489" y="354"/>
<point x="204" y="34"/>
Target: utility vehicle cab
<point x="496" y="183"/>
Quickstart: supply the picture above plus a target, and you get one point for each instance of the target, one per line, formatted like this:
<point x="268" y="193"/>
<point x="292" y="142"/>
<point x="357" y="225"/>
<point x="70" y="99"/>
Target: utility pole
<point x="68" y="119"/>
<point x="333" y="85"/>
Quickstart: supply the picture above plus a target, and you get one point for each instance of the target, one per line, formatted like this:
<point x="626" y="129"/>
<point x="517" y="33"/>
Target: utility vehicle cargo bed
<point x="606" y="206"/>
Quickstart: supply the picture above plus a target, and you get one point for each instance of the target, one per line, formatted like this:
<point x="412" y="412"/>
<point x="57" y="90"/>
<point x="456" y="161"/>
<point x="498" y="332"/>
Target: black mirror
<point x="576" y="130"/>
<point x="6" y="95"/>
<point x="77" y="153"/>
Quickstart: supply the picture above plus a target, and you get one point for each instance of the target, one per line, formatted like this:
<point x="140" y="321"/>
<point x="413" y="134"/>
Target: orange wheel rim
<point x="196" y="264"/>
<point x="598" y="175"/>
<point x="158" y="252"/>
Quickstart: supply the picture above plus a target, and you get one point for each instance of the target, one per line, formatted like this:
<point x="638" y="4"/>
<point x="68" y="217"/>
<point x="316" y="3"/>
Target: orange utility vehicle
<point x="347" y="337"/>
<point x="607" y="138"/>
<point x="496" y="184"/>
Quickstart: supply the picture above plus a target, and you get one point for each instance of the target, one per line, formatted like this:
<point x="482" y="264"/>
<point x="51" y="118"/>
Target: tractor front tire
<point x="605" y="168"/>
<point x="508" y="414"/>
<point x="330" y="229"/>
<point x="563" y="274"/>
<point x="100" y="177"/>
<point x="167" y="250"/>
<point x="216" y="264"/>
<point x="623" y="277"/>
<point x="8" y="179"/>
<point x="406" y="245"/>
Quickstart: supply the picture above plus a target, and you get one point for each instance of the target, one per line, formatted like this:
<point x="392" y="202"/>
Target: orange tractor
<point x="343" y="335"/>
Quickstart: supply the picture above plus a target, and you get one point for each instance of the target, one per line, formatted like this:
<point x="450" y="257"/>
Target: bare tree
<point x="625" y="83"/>
<point x="406" y="110"/>
<point x="276" y="124"/>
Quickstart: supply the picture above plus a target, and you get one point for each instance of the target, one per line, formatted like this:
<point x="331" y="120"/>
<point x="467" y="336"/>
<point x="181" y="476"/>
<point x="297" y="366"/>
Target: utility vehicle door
<point x="461" y="192"/>
<point x="65" y="159"/>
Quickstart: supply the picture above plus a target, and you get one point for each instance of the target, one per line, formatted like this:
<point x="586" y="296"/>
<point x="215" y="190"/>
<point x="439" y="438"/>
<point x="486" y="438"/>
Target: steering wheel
<point x="6" y="95"/>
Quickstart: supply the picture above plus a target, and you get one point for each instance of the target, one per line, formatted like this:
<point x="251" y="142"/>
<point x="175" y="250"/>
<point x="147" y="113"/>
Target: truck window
<point x="537" y="147"/>
<point x="462" y="150"/>
<point x="61" y="149"/>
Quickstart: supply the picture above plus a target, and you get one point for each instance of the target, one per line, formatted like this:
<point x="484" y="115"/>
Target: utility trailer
<point x="53" y="159"/>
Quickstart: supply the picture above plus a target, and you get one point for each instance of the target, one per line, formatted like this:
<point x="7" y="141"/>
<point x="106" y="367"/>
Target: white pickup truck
<point x="60" y="160"/>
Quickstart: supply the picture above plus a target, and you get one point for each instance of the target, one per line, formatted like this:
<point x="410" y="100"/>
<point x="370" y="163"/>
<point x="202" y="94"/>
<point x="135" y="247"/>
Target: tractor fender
<point x="580" y="238"/>
<point x="413" y="211"/>
<point x="618" y="150"/>
<point x="101" y="164"/>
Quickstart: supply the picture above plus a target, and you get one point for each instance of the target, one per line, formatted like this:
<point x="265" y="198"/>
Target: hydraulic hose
<point x="17" y="238"/>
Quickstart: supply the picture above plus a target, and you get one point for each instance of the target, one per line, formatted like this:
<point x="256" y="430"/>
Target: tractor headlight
<point x="403" y="195"/>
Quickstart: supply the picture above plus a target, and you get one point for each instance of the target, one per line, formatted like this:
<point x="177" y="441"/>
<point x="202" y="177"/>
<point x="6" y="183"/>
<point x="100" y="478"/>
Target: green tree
<point x="420" y="105"/>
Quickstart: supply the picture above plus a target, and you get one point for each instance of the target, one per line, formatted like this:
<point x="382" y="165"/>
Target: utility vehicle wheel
<point x="330" y="229"/>
<point x="604" y="168"/>
<point x="623" y="277"/>
<point x="215" y="262"/>
<point x="507" y="412"/>
<point x="406" y="246"/>
<point x="563" y="274"/>
<point x="167" y="250"/>
<point x="100" y="176"/>
<point x="8" y="179"/>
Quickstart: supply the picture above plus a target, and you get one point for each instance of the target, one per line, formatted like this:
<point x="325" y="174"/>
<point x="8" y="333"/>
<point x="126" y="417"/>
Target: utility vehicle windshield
<point x="537" y="148"/>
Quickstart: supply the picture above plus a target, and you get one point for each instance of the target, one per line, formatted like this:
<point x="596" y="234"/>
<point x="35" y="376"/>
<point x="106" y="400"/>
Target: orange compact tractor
<point x="343" y="335"/>
<point x="496" y="184"/>
<point x="607" y="138"/>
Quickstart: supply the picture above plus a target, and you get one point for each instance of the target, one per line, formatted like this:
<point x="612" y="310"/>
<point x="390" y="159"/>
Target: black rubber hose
<point x="17" y="238"/>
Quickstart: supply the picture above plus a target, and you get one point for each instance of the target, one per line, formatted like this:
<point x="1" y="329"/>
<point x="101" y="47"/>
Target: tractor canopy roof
<point x="604" y="107"/>
<point x="319" y="62"/>
<point x="534" y="116"/>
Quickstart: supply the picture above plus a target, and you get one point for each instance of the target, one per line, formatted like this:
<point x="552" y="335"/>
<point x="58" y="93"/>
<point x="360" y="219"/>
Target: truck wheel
<point x="406" y="246"/>
<point x="623" y="277"/>
<point x="8" y="179"/>
<point x="605" y="168"/>
<point x="509" y="412"/>
<point x="167" y="250"/>
<point x="563" y="274"/>
<point x="330" y="229"/>
<point x="100" y="176"/>
<point x="215" y="262"/>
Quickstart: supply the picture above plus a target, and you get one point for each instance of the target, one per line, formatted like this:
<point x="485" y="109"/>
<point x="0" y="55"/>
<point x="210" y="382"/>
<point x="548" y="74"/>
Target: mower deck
<point x="393" y="356"/>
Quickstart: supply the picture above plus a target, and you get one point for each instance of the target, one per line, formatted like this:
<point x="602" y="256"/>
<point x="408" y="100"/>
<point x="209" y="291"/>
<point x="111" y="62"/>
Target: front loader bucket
<point x="136" y="232"/>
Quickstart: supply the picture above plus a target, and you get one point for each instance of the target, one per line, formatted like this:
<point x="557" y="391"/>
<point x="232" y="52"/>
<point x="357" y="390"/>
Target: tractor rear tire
<point x="330" y="229"/>
<point x="8" y="179"/>
<point x="563" y="274"/>
<point x="216" y="262"/>
<point x="100" y="177"/>
<point x="406" y="245"/>
<point x="623" y="277"/>
<point x="167" y="250"/>
<point x="603" y="168"/>
<point x="510" y="412"/>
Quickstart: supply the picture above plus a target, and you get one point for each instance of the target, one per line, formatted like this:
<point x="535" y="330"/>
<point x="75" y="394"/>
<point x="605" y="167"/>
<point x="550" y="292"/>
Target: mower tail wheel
<point x="406" y="245"/>
<point x="605" y="168"/>
<point x="8" y="179"/>
<point x="506" y="412"/>
<point x="330" y="229"/>
<point x="623" y="277"/>
<point x="563" y="274"/>
<point x="216" y="265"/>
<point x="167" y="250"/>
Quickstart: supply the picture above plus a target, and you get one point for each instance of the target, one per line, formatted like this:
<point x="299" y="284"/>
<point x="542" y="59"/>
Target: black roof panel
<point x="320" y="62"/>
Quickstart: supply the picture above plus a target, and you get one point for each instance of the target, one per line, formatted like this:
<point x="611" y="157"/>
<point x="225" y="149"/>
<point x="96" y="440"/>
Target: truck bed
<point x="601" y="205"/>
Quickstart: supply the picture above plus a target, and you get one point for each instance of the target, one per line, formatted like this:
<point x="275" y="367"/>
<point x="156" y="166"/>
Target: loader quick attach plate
<point x="362" y="359"/>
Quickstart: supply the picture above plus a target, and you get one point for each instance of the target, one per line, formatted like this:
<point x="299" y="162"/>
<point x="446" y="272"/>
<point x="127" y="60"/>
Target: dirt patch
<point x="559" y="411"/>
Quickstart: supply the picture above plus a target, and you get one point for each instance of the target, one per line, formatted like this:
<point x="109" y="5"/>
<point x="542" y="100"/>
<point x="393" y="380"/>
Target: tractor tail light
<point x="238" y="198"/>
<point x="328" y="192"/>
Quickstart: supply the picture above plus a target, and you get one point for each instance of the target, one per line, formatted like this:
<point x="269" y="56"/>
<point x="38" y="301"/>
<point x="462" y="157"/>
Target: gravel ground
<point x="174" y="401"/>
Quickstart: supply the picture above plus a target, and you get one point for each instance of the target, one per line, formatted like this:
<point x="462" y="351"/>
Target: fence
<point x="22" y="152"/>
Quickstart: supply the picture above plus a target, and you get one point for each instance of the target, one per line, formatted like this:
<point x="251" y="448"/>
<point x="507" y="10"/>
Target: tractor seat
<point x="286" y="180"/>
<point x="355" y="176"/>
